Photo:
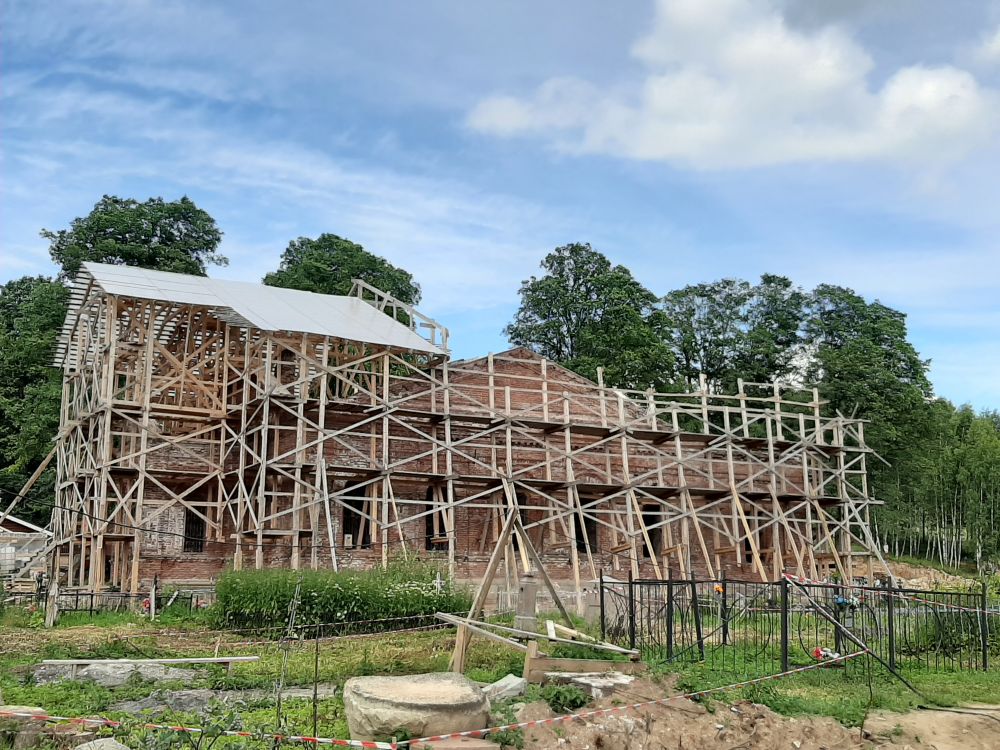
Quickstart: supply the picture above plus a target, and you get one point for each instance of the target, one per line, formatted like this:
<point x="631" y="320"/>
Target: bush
<point x="262" y="598"/>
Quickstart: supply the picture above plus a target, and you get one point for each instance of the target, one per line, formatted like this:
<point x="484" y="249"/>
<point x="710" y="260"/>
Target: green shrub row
<point x="262" y="598"/>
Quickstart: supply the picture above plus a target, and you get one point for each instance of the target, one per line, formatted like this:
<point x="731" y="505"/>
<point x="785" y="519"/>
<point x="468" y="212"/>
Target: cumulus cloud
<point x="989" y="49"/>
<point x="728" y="83"/>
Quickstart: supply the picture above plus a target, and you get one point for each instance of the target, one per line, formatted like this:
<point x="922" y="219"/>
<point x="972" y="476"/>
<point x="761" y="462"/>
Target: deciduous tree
<point x="584" y="313"/>
<point x="163" y="235"/>
<point x="328" y="265"/>
<point x="31" y="314"/>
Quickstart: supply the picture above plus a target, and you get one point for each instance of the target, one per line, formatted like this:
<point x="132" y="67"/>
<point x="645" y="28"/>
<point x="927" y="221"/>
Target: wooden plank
<point x="536" y="665"/>
<point x="476" y="627"/>
<point x="738" y="503"/>
<point x="452" y="619"/>
<point x="28" y="485"/>
<point x="462" y="636"/>
<point x="545" y="577"/>
<point x="179" y="660"/>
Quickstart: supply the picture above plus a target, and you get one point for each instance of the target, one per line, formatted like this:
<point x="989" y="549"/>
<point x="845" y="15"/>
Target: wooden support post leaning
<point x="738" y="503"/>
<point x="457" y="663"/>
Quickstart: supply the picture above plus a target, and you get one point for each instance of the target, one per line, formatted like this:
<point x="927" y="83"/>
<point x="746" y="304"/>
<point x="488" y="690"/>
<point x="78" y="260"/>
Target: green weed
<point x="262" y="598"/>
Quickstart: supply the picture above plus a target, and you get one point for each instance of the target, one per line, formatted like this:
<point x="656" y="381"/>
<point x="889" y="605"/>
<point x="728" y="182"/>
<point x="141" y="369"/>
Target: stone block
<point x="505" y="688"/>
<point x="597" y="684"/>
<point x="423" y="704"/>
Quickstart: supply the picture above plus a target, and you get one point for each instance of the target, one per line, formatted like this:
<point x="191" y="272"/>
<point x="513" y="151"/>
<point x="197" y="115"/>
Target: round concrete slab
<point x="423" y="704"/>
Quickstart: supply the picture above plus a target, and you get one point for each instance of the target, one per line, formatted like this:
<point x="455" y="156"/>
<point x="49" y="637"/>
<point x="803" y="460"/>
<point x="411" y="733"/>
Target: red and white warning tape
<point x="102" y="722"/>
<point x="880" y="592"/>
<point x="633" y="707"/>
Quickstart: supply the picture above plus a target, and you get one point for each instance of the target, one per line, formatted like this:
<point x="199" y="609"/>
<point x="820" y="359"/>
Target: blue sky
<point x="841" y="141"/>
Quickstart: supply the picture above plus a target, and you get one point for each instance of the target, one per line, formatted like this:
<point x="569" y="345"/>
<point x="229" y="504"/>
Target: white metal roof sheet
<point x="266" y="307"/>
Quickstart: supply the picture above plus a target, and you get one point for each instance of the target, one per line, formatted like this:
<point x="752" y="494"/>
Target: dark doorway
<point x="434" y="532"/>
<point x="357" y="529"/>
<point x="652" y="515"/>
<point x="586" y="532"/>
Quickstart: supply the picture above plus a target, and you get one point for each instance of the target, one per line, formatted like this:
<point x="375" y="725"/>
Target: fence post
<point x="696" y="610"/>
<point x="784" y="625"/>
<point x="670" y="619"/>
<point x="837" y="637"/>
<point x="891" y="625"/>
<point x="600" y="602"/>
<point x="725" y="610"/>
<point x="152" y="598"/>
<point x="631" y="611"/>
<point x="984" y="627"/>
<point x="52" y="603"/>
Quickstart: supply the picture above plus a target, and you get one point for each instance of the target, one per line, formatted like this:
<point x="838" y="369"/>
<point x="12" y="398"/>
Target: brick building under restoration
<point x="210" y="423"/>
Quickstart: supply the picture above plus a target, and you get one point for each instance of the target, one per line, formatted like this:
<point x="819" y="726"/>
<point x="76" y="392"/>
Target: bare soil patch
<point x="970" y="728"/>
<point x="681" y="724"/>
<point x="914" y="577"/>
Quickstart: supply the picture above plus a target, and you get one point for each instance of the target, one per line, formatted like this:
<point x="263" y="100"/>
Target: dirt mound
<point x="972" y="728"/>
<point x="916" y="577"/>
<point x="681" y="724"/>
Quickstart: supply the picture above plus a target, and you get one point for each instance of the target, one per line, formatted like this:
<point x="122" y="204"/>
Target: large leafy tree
<point x="163" y="235"/>
<point x="584" y="313"/>
<point x="731" y="329"/>
<point x="774" y="318"/>
<point x="866" y="366"/>
<point x="706" y="330"/>
<point x="31" y="314"/>
<point x="860" y="354"/>
<point x="329" y="264"/>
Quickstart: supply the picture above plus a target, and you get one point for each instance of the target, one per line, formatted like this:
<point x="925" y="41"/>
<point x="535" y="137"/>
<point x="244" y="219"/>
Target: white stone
<point x="506" y="687"/>
<point x="104" y="743"/>
<point x="109" y="674"/>
<point x="597" y="684"/>
<point x="423" y="704"/>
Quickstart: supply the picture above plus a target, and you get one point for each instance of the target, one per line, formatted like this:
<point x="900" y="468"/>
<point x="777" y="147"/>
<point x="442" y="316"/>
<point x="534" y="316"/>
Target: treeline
<point x="940" y="477"/>
<point x="941" y="464"/>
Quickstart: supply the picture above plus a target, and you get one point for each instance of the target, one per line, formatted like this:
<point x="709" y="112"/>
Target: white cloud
<point x="728" y="83"/>
<point x="988" y="50"/>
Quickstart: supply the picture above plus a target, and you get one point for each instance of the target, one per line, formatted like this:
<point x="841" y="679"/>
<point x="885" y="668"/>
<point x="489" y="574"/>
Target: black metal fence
<point x="108" y="601"/>
<point x="762" y="628"/>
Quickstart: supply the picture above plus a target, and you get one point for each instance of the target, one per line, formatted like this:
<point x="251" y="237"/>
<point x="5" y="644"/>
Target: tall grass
<point x="262" y="598"/>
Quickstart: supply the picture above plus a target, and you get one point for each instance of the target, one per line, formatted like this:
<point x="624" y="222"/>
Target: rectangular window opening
<point x="357" y="529"/>
<point x="652" y="515"/>
<point x="586" y="532"/>
<point x="194" y="531"/>
<point x="435" y="534"/>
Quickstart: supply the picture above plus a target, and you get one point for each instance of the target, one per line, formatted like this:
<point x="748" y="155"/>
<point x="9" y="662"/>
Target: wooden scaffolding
<point x="189" y="434"/>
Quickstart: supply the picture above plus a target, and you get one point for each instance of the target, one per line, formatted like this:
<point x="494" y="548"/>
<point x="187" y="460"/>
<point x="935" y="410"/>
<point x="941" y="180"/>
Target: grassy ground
<point x="841" y="693"/>
<point x="847" y="694"/>
<point x="295" y="665"/>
